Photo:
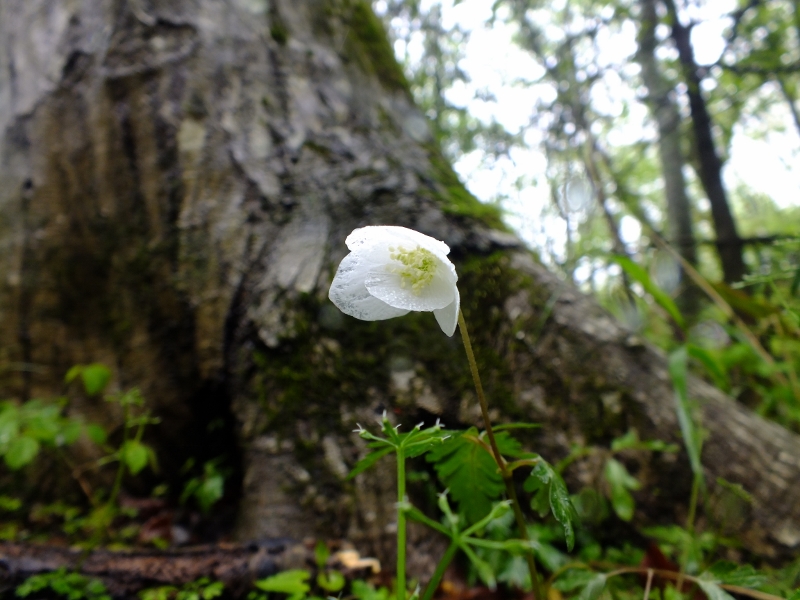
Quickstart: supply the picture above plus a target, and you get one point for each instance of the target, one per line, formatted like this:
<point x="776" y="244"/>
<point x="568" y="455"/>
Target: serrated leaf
<point x="550" y="486"/>
<point x="134" y="454"/>
<point x="563" y="510"/>
<point x="469" y="471"/>
<point x="538" y="484"/>
<point x="369" y="460"/>
<point x="21" y="451"/>
<point x="95" y="378"/>
<point x="508" y="446"/>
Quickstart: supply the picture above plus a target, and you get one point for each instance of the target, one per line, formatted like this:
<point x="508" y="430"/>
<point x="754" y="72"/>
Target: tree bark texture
<point x="176" y="182"/>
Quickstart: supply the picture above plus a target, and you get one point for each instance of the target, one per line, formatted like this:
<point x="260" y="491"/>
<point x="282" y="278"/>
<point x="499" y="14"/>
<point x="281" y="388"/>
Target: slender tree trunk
<point x="668" y="119"/>
<point x="729" y="244"/>
<point x="176" y="183"/>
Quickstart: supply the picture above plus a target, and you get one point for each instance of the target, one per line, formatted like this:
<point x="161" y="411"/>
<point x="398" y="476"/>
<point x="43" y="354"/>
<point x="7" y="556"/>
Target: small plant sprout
<point x="391" y="271"/>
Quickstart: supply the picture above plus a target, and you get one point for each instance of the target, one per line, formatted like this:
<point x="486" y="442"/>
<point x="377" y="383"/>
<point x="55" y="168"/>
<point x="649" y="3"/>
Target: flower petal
<point x="447" y="317"/>
<point x="351" y="296"/>
<point x="387" y="285"/>
<point x="393" y="235"/>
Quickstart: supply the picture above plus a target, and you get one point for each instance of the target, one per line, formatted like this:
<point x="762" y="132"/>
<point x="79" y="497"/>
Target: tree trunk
<point x="176" y="182"/>
<point x="729" y="244"/>
<point x="668" y="120"/>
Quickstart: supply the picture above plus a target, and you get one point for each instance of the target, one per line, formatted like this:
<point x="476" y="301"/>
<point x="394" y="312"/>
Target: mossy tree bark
<point x="176" y="182"/>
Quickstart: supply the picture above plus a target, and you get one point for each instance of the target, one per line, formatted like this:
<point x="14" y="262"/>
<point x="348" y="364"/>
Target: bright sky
<point x="762" y="157"/>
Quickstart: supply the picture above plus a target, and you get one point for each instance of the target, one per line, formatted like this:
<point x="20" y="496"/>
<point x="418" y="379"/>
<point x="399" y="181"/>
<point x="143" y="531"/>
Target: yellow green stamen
<point x="418" y="267"/>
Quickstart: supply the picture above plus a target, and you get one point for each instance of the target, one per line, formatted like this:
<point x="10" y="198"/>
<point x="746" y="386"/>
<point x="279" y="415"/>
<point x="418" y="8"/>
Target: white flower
<point x="391" y="271"/>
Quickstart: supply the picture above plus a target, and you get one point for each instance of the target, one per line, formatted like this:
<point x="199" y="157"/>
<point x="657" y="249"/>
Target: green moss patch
<point x="457" y="200"/>
<point x="369" y="45"/>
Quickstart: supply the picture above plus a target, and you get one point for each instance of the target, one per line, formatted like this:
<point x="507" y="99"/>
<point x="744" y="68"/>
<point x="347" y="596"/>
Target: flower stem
<point x="401" y="524"/>
<point x="476" y="378"/>
<point x="507" y="475"/>
<point x="696" y="484"/>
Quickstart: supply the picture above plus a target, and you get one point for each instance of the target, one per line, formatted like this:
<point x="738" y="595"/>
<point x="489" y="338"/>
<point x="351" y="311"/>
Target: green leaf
<point x="210" y="491"/>
<point x="620" y="481"/>
<point x="629" y="440"/>
<point x="796" y="594"/>
<point x="96" y="433"/>
<point x="10" y="504"/>
<point x="548" y="485"/>
<point x="678" y="372"/>
<point x="70" y="431"/>
<point x="369" y="460"/>
<point x="793" y="291"/>
<point x="732" y="574"/>
<point x="419" y="441"/>
<point x="573" y="579"/>
<point x="640" y="275"/>
<point x="594" y="588"/>
<point x="95" y="378"/>
<point x="134" y="455"/>
<point x="508" y="446"/>
<point x="73" y="373"/>
<point x="213" y="590"/>
<point x="484" y="569"/>
<point x="470" y="473"/>
<point x="331" y="581"/>
<point x="292" y="582"/>
<point x="711" y="363"/>
<point x="21" y="451"/>
<point x="321" y="554"/>
<point x="365" y="591"/>
<point x="515" y="573"/>
<point x="712" y="589"/>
